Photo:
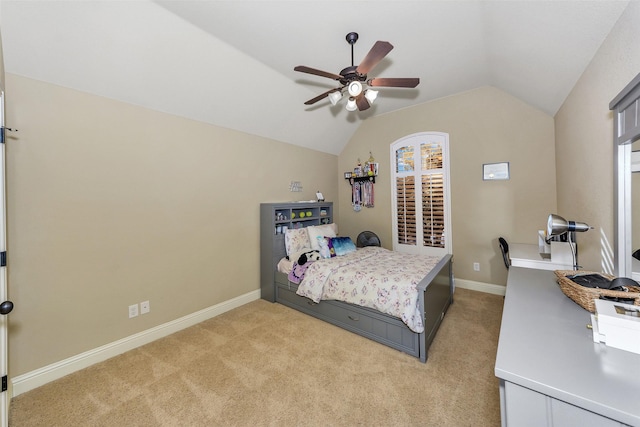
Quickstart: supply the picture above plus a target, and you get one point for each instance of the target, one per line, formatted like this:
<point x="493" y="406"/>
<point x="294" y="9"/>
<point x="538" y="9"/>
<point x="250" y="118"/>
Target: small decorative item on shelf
<point x="357" y="171"/>
<point x="309" y="214"/>
<point x="348" y="175"/>
<point x="368" y="166"/>
<point x="301" y="214"/>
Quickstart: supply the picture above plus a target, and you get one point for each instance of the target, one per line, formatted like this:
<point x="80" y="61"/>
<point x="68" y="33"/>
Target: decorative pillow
<point x="315" y="231"/>
<point x="342" y="245"/>
<point x="332" y="251"/>
<point x="325" y="252"/>
<point x="296" y="240"/>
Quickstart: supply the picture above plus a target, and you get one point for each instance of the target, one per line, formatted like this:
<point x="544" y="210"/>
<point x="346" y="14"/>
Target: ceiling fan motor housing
<point x="349" y="74"/>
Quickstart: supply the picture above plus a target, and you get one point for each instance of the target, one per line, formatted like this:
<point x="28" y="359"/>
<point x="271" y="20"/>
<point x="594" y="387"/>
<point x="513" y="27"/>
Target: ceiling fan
<point x="354" y="78"/>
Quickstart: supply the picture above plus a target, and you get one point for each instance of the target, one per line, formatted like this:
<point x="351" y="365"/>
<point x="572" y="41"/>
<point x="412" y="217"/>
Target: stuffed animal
<point x="308" y="256"/>
<point x="325" y="252"/>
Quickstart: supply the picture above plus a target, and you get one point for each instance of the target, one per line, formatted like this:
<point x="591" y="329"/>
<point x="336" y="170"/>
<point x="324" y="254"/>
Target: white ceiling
<point x="230" y="63"/>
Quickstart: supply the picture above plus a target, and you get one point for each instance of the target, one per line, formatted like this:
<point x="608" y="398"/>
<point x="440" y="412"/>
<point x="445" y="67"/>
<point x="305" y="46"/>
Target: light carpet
<point x="265" y="364"/>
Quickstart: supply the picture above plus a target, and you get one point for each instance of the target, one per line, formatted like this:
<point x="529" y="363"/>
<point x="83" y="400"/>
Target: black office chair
<point x="504" y="247"/>
<point x="636" y="254"/>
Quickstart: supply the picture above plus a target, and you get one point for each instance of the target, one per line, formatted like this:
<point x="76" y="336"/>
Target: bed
<point x="410" y="330"/>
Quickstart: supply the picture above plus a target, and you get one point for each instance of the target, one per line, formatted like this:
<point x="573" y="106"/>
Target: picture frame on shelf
<point x="348" y="175"/>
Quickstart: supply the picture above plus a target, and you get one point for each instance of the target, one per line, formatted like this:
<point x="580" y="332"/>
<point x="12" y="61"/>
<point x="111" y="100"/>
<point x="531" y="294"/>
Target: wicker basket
<point x="585" y="297"/>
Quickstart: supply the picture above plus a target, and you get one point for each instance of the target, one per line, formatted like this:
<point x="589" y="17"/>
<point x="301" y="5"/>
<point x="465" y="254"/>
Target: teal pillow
<point x="342" y="245"/>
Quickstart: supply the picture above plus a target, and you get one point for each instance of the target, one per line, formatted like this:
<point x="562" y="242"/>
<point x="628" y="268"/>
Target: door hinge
<point x="4" y="383"/>
<point x="3" y="133"/>
<point x="3" y="259"/>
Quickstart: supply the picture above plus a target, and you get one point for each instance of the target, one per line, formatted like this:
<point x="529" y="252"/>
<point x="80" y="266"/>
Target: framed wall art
<point x="495" y="171"/>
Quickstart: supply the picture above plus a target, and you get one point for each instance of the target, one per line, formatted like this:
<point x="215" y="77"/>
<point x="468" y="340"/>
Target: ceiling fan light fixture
<point x="334" y="97"/>
<point x="371" y="95"/>
<point x="355" y="88"/>
<point x="351" y="104"/>
<point x="354" y="79"/>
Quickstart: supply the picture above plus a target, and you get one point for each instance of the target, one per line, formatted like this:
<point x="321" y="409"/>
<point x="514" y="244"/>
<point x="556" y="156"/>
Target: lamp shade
<point x="351" y="105"/>
<point x="355" y="88"/>
<point x="335" y="96"/>
<point x="556" y="225"/>
<point x="371" y="95"/>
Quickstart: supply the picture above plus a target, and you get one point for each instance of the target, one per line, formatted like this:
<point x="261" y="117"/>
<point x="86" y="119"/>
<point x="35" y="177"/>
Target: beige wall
<point x="584" y="139"/>
<point x="110" y="204"/>
<point x="484" y="126"/>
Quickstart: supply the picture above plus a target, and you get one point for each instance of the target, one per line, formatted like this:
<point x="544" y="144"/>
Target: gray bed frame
<point x="435" y="297"/>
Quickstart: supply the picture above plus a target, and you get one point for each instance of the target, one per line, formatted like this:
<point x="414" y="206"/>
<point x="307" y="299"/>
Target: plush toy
<point x="325" y="252"/>
<point x="308" y="256"/>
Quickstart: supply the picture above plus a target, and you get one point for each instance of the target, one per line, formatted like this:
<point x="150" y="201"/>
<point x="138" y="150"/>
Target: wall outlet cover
<point x="133" y="310"/>
<point x="145" y="307"/>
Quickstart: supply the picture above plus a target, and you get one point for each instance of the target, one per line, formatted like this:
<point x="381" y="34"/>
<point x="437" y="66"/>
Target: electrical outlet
<point x="476" y="266"/>
<point x="145" y="307"/>
<point x="133" y="310"/>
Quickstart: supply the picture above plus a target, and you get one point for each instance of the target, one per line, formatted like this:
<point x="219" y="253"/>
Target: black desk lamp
<point x="556" y="226"/>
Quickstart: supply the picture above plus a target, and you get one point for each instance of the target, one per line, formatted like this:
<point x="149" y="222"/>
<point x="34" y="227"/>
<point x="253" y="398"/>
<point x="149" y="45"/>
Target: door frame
<point x="5" y="395"/>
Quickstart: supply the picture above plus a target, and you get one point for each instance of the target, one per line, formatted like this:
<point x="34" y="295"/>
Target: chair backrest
<point x="504" y="248"/>
<point x="636" y="254"/>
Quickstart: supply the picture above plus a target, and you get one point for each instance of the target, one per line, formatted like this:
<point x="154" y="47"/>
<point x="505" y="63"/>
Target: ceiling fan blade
<point x="375" y="55"/>
<point x="309" y="70"/>
<point x="319" y="97"/>
<point x="362" y="102"/>
<point x="397" y="82"/>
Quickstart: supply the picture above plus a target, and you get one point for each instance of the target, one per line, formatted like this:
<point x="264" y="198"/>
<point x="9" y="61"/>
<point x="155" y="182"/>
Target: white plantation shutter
<point x="406" y="202"/>
<point x="433" y="210"/>
<point x="421" y="213"/>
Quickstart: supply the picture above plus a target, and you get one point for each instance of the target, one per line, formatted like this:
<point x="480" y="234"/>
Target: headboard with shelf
<point x="275" y="219"/>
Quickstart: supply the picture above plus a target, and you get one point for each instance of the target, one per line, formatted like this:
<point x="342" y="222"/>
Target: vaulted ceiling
<point x="230" y="63"/>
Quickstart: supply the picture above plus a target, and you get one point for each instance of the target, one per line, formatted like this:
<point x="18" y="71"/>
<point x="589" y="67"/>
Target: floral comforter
<point x="371" y="277"/>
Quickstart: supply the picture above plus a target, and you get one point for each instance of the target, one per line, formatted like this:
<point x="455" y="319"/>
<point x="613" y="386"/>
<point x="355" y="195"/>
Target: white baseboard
<point x="30" y="380"/>
<point x="480" y="286"/>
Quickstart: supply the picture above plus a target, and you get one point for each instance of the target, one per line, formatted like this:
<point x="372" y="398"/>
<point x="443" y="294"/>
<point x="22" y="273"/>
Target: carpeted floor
<point x="264" y="364"/>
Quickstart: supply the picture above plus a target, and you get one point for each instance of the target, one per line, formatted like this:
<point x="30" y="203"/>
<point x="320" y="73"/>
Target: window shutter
<point x="420" y="194"/>
<point x="433" y="210"/>
<point x="406" y="207"/>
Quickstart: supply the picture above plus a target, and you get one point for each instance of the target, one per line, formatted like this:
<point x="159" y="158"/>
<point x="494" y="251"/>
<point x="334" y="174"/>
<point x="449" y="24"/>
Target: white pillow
<point x="315" y="231"/>
<point x="296" y="241"/>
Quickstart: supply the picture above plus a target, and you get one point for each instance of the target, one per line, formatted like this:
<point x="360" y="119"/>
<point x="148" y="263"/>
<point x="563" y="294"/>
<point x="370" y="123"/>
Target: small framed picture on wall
<point x="495" y="171"/>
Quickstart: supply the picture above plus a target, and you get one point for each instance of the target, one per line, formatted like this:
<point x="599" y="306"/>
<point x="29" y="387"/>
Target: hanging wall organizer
<point x="362" y="193"/>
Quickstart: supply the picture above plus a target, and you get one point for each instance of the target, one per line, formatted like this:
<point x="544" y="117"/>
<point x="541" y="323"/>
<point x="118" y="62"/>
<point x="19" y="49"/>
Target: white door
<point x="5" y="305"/>
<point x="420" y="194"/>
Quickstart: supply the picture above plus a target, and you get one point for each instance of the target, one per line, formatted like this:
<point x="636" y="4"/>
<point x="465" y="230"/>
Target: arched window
<point x="420" y="194"/>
